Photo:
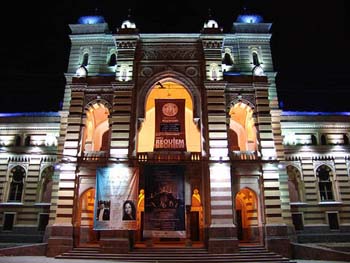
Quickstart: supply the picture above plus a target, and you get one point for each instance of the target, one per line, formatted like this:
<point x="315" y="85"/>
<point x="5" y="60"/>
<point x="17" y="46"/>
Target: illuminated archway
<point x="167" y="90"/>
<point x="96" y="131"/>
<point x="85" y="216"/>
<point x="247" y="215"/>
<point x="242" y="128"/>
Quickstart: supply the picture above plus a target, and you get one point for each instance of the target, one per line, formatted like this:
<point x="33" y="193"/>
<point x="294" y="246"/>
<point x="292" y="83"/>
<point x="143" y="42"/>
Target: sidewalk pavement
<point x="42" y="259"/>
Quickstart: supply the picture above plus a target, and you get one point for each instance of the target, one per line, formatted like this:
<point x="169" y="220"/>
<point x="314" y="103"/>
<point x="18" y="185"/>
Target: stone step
<point x="168" y="255"/>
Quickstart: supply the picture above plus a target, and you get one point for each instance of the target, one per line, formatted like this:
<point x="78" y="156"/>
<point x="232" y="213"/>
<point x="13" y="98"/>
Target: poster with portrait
<point x="164" y="202"/>
<point x="116" y="198"/>
<point x="170" y="125"/>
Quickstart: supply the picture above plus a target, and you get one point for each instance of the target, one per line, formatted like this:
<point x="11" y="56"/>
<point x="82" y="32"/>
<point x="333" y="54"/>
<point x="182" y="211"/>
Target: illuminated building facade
<point x="201" y="108"/>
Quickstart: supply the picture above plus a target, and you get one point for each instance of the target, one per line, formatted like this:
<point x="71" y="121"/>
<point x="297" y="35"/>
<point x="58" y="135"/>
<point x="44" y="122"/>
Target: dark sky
<point x="310" y="45"/>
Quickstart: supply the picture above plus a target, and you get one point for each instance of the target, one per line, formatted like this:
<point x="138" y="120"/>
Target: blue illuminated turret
<point x="250" y="23"/>
<point x="250" y="18"/>
<point x="89" y="20"/>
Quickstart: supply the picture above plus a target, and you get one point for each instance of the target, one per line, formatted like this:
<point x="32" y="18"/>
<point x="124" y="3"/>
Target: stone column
<point x="222" y="232"/>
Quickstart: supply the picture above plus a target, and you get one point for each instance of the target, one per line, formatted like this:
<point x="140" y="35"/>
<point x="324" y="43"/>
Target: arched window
<point x="324" y="175"/>
<point x="345" y="139"/>
<point x="255" y="59"/>
<point x="323" y="139"/>
<point x="85" y="60"/>
<point x="294" y="184"/>
<point x="46" y="184"/>
<point x="17" y="176"/>
<point x="243" y="134"/>
<point x="313" y="139"/>
<point x="112" y="60"/>
<point x="27" y="141"/>
<point x="96" y="133"/>
<point x="18" y="140"/>
<point x="227" y="60"/>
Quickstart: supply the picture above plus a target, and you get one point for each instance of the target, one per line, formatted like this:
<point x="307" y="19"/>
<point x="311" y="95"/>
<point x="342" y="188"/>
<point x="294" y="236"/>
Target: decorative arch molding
<point x="98" y="101"/>
<point x="239" y="99"/>
<point x="25" y="166"/>
<point x="330" y="164"/>
<point x="169" y="76"/>
<point x="297" y="166"/>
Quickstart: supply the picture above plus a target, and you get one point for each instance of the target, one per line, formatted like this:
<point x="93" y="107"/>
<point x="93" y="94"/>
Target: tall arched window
<point x="112" y="60"/>
<point x="255" y="59"/>
<point x="323" y="139"/>
<point x="46" y="184"/>
<point x="243" y="134"/>
<point x="345" y="139"/>
<point x="85" y="60"/>
<point x="324" y="175"/>
<point x="17" y="176"/>
<point x="294" y="184"/>
<point x="96" y="135"/>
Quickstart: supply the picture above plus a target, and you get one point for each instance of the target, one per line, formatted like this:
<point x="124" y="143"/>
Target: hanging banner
<point x="116" y="198"/>
<point x="164" y="202"/>
<point x="170" y="125"/>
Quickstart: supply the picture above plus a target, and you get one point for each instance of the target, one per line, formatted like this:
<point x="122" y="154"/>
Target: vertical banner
<point x="164" y="202"/>
<point x="170" y="125"/>
<point x="116" y="198"/>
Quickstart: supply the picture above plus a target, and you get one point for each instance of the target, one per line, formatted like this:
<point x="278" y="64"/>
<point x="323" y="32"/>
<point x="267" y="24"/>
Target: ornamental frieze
<point x="169" y="54"/>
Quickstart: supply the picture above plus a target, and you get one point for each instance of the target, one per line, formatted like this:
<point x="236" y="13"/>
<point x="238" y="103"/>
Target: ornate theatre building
<point x="170" y="139"/>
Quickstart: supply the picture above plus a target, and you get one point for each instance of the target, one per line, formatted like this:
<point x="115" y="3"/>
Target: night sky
<point x="310" y="45"/>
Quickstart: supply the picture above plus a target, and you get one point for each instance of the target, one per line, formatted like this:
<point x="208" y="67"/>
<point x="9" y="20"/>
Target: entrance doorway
<point x="166" y="216"/>
<point x="247" y="216"/>
<point x="84" y="233"/>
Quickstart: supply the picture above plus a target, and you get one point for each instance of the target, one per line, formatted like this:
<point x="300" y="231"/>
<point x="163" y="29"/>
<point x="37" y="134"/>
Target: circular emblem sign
<point x="170" y="109"/>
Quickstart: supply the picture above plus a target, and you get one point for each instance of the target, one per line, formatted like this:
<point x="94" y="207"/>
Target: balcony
<point x="168" y="156"/>
<point x="96" y="156"/>
<point x="244" y="155"/>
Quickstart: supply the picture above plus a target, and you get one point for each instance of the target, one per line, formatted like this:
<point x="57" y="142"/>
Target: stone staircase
<point x="251" y="254"/>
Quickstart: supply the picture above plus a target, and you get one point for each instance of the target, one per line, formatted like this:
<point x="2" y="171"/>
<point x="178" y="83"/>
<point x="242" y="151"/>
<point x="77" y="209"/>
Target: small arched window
<point x="324" y="174"/>
<point x="313" y="139"/>
<point x="227" y="60"/>
<point x="345" y="139"/>
<point x="323" y="139"/>
<point x="112" y="60"/>
<point x="255" y="59"/>
<point x="85" y="60"/>
<point x="27" y="141"/>
<point x="17" y="175"/>
<point x="18" y="140"/>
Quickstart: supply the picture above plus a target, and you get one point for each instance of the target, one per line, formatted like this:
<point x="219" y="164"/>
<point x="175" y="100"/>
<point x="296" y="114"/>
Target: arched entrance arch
<point x="247" y="218"/>
<point x="170" y="76"/>
<point x="172" y="90"/>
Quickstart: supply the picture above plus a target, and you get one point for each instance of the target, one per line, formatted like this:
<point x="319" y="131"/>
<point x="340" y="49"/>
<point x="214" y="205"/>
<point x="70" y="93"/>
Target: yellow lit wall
<point x="171" y="91"/>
